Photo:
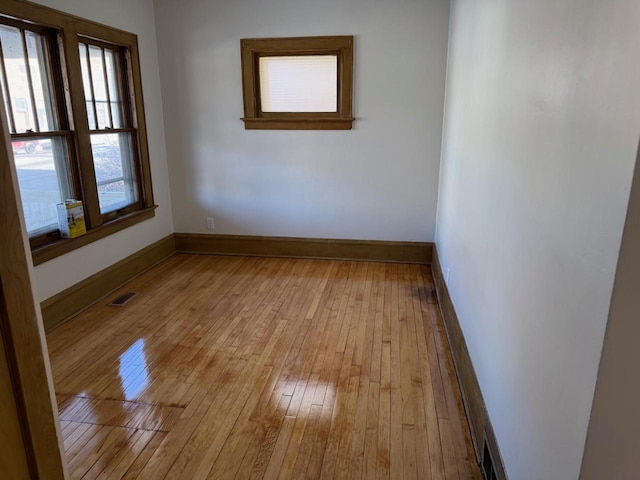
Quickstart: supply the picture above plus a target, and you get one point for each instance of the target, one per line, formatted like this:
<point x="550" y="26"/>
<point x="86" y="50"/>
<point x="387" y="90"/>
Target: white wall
<point x="135" y="16"/>
<point x="378" y="181"/>
<point x="541" y="129"/>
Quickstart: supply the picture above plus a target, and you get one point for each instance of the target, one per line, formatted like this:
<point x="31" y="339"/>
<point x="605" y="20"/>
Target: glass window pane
<point x="39" y="67"/>
<point x="114" y="88"/>
<point x="43" y="178"/>
<point x="5" y="97"/>
<point x="16" y="70"/>
<point x="99" y="86"/>
<point x="86" y="80"/>
<point x="28" y="81"/>
<point x="115" y="175"/>
<point x="303" y="83"/>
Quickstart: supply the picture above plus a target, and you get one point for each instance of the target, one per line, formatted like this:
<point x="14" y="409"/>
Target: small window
<point x="303" y="83"/>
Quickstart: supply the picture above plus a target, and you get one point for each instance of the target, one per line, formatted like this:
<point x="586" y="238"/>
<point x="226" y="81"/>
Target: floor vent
<point x="122" y="299"/>
<point x="486" y="466"/>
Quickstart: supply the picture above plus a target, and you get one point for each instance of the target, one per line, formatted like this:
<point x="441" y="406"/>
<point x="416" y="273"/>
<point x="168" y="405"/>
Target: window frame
<point x="123" y="66"/>
<point x="254" y="48"/>
<point x="61" y="113"/>
<point x="67" y="32"/>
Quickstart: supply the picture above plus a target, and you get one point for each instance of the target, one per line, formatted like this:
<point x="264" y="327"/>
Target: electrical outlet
<point x="448" y="271"/>
<point x="210" y="224"/>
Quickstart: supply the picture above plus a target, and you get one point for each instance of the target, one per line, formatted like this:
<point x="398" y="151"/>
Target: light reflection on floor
<point x="133" y="370"/>
<point x="308" y="392"/>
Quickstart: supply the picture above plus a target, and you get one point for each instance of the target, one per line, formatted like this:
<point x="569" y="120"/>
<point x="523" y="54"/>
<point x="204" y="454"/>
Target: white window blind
<point x="299" y="83"/>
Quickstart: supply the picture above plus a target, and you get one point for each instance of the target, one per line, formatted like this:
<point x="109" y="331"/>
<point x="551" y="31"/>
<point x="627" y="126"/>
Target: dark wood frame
<point x="292" y="247"/>
<point x="254" y="48"/>
<point x="22" y="332"/>
<point x="70" y="31"/>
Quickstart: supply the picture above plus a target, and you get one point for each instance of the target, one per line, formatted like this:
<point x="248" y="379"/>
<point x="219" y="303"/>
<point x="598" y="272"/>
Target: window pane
<point x="86" y="81"/>
<point x="99" y="86"/>
<point x="41" y="164"/>
<point x="5" y="96"/>
<point x="304" y="83"/>
<point x="21" y="94"/>
<point x="16" y="71"/>
<point x="115" y="175"/>
<point x="114" y="88"/>
<point x="40" y="79"/>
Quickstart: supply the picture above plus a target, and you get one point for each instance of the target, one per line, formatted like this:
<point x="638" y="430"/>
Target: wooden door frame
<point x="23" y="331"/>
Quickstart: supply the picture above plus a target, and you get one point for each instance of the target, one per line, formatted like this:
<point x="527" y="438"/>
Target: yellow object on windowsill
<point x="71" y="219"/>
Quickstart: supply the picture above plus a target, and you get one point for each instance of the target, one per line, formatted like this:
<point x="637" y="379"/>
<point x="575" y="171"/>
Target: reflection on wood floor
<point x="234" y="367"/>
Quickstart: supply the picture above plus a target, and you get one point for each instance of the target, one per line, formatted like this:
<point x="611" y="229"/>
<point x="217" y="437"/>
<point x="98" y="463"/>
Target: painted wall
<point x="378" y="181"/>
<point x="134" y="16"/>
<point x="541" y="129"/>
<point x="612" y="442"/>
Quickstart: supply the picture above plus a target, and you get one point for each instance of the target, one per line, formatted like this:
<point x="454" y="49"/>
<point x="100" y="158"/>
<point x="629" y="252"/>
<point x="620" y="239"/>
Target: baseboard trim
<point x="401" y="252"/>
<point x="479" y="421"/>
<point x="77" y="298"/>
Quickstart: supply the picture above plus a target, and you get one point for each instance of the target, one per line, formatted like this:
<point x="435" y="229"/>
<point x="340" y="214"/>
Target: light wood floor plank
<point x="233" y="367"/>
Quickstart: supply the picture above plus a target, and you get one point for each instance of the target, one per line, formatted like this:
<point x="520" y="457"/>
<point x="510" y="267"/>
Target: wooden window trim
<point x="254" y="48"/>
<point x="61" y="246"/>
<point x="72" y="30"/>
<point x="22" y="332"/>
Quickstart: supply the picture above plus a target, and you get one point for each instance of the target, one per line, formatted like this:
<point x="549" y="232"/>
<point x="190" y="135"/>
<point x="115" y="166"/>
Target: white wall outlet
<point x="448" y="271"/>
<point x="210" y="224"/>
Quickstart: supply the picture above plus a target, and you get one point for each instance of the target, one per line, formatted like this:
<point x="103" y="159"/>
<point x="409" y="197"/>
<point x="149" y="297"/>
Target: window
<point x="73" y="100"/>
<point x="303" y="83"/>
<point x="110" y="131"/>
<point x="39" y="129"/>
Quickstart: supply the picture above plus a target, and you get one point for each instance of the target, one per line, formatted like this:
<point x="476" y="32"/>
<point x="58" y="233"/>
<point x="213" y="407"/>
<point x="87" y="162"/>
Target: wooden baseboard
<point x="82" y="295"/>
<point x="402" y="252"/>
<point x="479" y="421"/>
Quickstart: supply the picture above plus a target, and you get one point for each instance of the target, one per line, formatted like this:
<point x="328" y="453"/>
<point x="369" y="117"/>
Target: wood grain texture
<point x="248" y="367"/>
<point x="477" y="414"/>
<point x="75" y="299"/>
<point x="21" y="328"/>
<point x="404" y="252"/>
<point x="298" y="123"/>
<point x="13" y="454"/>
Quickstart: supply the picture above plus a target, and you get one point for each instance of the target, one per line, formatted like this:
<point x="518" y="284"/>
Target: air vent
<point x="486" y="466"/>
<point x="122" y="299"/>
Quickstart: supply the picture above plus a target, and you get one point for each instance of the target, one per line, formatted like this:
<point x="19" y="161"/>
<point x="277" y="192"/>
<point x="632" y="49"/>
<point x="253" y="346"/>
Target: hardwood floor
<point x="236" y="367"/>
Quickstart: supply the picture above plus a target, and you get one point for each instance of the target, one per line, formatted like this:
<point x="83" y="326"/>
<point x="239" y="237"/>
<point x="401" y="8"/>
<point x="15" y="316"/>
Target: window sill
<point x="65" y="245"/>
<point x="298" y="123"/>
